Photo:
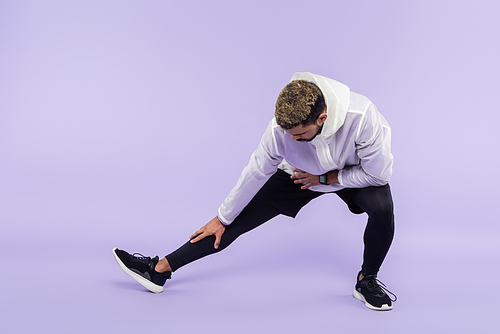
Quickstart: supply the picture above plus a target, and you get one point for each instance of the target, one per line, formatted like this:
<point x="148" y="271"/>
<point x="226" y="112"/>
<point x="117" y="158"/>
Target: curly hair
<point x="300" y="102"/>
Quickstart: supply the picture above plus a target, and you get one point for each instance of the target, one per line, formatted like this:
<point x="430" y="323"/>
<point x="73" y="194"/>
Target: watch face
<point x="322" y="179"/>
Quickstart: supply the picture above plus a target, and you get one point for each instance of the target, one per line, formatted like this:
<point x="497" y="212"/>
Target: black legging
<point x="280" y="195"/>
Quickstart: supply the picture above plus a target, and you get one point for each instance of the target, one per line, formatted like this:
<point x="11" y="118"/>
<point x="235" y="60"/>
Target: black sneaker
<point x="142" y="269"/>
<point x="372" y="292"/>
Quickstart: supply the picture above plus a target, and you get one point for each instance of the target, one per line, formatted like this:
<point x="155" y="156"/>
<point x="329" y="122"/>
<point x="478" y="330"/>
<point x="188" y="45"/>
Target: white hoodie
<point x="355" y="140"/>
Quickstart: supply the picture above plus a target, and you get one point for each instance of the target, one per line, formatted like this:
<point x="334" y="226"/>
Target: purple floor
<point x="280" y="278"/>
<point x="125" y="124"/>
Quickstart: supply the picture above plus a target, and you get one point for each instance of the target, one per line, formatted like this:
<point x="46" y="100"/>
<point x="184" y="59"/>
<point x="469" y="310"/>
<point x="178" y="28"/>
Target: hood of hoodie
<point x="337" y="99"/>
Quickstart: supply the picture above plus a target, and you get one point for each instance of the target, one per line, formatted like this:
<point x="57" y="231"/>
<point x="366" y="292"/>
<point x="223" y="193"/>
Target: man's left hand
<point x="307" y="180"/>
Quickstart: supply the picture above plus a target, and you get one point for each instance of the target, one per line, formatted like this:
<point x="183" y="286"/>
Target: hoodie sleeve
<point x="262" y="165"/>
<point x="373" y="147"/>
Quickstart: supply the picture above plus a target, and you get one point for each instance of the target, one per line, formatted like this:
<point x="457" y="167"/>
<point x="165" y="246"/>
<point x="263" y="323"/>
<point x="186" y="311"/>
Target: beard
<point x="318" y="131"/>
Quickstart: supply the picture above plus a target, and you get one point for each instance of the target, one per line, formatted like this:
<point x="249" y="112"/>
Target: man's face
<point x="304" y="133"/>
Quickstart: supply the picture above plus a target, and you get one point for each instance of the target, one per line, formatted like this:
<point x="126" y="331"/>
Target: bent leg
<point x="379" y="232"/>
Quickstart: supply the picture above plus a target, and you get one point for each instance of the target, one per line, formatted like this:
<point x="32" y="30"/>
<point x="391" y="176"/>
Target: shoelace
<point x="145" y="259"/>
<point x="375" y="284"/>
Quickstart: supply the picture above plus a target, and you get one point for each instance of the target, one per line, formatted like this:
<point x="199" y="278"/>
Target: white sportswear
<point x="355" y="140"/>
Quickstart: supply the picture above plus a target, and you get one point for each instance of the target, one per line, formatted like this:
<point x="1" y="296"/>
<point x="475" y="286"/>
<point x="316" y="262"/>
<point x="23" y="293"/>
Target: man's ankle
<point x="163" y="266"/>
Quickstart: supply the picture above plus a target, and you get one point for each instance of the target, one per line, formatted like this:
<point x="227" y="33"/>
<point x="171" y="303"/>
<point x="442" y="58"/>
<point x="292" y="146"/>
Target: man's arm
<point x="373" y="147"/>
<point x="263" y="164"/>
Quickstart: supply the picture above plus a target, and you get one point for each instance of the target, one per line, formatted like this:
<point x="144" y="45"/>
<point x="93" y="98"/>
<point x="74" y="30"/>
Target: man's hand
<point x="307" y="180"/>
<point x="213" y="227"/>
<point x="310" y="180"/>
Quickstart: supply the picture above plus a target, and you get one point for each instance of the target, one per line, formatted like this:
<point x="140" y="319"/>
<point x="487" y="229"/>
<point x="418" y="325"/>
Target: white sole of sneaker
<point x="360" y="297"/>
<point x="144" y="282"/>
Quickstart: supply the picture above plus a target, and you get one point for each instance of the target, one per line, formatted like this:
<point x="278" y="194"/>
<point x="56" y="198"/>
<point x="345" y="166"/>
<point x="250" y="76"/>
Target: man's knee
<point x="380" y="205"/>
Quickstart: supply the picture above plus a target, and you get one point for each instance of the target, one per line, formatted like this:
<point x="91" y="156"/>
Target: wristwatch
<point x="322" y="179"/>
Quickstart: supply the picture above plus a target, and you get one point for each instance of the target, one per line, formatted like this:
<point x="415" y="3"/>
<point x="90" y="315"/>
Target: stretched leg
<point x="256" y="213"/>
<point x="280" y="195"/>
<point x="379" y="231"/>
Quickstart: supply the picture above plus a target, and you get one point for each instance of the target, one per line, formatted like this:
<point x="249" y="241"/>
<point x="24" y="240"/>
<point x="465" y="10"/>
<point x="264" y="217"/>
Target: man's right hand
<point x="213" y="227"/>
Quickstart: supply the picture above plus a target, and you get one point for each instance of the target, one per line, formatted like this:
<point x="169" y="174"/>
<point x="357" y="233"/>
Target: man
<point x="323" y="139"/>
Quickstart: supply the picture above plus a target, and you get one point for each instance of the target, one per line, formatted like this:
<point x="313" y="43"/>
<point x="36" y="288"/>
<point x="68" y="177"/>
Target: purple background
<point x="126" y="123"/>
